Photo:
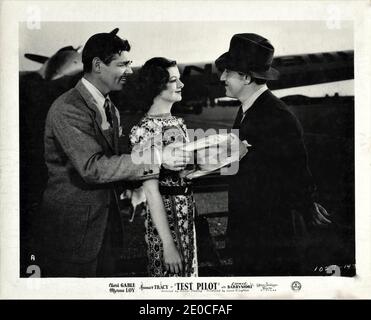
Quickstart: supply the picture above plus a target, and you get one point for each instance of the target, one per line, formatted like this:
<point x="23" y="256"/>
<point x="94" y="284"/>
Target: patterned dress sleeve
<point x="184" y="128"/>
<point x="144" y="136"/>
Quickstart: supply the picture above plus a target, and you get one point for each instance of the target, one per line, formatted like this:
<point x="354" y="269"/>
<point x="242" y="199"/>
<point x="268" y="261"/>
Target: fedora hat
<point x="249" y="53"/>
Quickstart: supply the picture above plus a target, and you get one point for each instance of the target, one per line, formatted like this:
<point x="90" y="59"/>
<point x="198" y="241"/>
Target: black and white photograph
<point x="173" y="149"/>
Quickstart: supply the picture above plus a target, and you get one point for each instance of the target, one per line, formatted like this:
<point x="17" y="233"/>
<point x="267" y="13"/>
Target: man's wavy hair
<point x="104" y="46"/>
<point x="152" y="79"/>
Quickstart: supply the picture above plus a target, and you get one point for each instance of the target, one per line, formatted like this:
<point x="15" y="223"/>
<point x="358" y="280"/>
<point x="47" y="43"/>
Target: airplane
<point x="203" y="88"/>
<point x="295" y="70"/>
<point x="65" y="62"/>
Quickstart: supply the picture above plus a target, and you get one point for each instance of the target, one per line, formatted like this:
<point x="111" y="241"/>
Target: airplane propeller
<point x="36" y="57"/>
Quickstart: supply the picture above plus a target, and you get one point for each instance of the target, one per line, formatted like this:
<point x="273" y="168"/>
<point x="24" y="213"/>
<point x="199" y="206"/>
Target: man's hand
<point x="319" y="215"/>
<point x="316" y="216"/>
<point x="242" y="145"/>
<point x="174" y="157"/>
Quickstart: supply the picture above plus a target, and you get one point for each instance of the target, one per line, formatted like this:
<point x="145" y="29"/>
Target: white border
<point x="11" y="286"/>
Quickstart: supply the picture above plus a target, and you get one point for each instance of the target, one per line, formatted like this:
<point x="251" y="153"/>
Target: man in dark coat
<point x="273" y="187"/>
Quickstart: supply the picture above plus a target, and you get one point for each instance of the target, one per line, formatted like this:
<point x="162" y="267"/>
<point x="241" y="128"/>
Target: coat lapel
<point x="91" y="103"/>
<point x="254" y="109"/>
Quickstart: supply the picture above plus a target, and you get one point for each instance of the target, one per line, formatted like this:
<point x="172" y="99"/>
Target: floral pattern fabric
<point x="180" y="209"/>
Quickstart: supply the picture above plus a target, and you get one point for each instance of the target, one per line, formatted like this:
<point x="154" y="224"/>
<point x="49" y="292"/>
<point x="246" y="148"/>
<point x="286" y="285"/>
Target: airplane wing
<point x="202" y="79"/>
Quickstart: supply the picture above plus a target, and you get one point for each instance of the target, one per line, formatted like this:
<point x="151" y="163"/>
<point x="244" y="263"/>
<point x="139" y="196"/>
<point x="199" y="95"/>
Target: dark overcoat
<point x="273" y="179"/>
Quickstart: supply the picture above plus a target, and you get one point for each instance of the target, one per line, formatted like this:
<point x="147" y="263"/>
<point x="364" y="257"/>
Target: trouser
<point x="60" y="268"/>
<point x="265" y="262"/>
<point x="104" y="265"/>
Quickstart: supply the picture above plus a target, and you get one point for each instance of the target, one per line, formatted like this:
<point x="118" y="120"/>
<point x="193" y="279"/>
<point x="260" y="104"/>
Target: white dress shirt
<point x="99" y="101"/>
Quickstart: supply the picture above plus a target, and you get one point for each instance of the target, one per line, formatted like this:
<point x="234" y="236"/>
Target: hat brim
<point x="270" y="74"/>
<point x="225" y="62"/>
<point x="222" y="62"/>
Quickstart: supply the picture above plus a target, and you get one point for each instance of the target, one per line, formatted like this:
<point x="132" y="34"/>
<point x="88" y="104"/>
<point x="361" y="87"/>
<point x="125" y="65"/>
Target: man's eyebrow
<point x="125" y="62"/>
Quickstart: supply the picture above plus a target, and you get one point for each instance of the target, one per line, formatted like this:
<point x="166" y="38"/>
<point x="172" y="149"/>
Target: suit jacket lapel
<point x="237" y="121"/>
<point x="254" y="109"/>
<point x="91" y="103"/>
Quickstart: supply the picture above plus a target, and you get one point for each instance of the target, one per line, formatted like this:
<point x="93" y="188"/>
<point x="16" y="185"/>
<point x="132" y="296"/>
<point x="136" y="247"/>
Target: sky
<point x="194" y="41"/>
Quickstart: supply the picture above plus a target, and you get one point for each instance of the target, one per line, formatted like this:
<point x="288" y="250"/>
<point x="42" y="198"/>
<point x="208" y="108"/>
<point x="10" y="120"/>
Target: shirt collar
<point x="94" y="91"/>
<point x="249" y="102"/>
<point x="99" y="100"/>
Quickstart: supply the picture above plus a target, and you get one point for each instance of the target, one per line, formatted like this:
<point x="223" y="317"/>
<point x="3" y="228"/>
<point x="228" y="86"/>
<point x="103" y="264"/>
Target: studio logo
<point x="296" y="286"/>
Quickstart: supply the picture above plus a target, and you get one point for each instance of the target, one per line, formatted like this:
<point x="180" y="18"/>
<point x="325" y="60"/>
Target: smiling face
<point x="234" y="83"/>
<point x="113" y="75"/>
<point x="173" y="91"/>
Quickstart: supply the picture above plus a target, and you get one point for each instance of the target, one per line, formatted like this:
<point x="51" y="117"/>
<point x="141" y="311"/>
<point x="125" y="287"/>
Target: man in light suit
<point x="80" y="228"/>
<point x="273" y="186"/>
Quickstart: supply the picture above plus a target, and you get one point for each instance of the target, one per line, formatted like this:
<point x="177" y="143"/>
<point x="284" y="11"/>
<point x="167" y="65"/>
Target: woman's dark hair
<point x="152" y="78"/>
<point x="104" y="46"/>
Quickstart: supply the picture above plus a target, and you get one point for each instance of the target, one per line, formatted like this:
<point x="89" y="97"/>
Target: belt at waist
<point x="175" y="190"/>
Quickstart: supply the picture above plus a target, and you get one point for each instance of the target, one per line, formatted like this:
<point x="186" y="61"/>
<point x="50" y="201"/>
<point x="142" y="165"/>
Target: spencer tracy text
<point x="187" y="309"/>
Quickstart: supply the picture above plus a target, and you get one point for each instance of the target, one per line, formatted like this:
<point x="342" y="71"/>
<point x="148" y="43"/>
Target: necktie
<point x="107" y="110"/>
<point x="114" y="221"/>
<point x="239" y="117"/>
<point x="113" y="121"/>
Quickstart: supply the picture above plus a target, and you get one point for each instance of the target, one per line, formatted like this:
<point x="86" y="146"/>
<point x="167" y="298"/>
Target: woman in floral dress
<point x="170" y="229"/>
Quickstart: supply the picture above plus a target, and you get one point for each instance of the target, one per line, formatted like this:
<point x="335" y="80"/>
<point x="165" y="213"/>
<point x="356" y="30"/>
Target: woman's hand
<point x="172" y="259"/>
<point x="171" y="256"/>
